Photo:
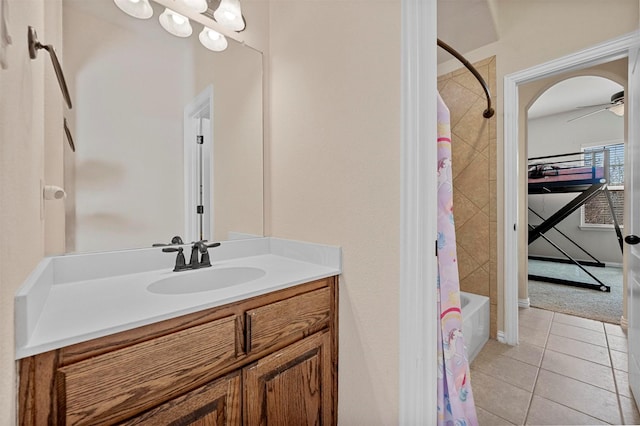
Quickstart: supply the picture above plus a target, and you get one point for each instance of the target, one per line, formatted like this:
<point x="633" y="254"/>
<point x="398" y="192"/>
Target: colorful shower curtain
<point x="455" y="399"/>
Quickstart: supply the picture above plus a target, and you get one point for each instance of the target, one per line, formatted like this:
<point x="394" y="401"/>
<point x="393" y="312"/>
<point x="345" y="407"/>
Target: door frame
<point x="200" y="107"/>
<point x="607" y="51"/>
<point x="417" y="393"/>
<point x="633" y="307"/>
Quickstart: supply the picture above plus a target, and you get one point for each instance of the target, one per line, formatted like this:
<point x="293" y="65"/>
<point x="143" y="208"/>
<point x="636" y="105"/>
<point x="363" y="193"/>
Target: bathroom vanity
<point x="266" y="354"/>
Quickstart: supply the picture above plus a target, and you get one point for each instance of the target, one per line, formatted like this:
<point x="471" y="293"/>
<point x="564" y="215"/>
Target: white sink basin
<point x="205" y="280"/>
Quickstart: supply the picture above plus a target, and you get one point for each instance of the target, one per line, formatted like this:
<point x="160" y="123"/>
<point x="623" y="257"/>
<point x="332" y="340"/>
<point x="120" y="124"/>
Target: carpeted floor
<point x="586" y="303"/>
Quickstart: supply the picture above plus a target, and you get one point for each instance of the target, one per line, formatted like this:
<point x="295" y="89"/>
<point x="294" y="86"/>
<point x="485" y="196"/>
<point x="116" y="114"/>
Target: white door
<point x="632" y="225"/>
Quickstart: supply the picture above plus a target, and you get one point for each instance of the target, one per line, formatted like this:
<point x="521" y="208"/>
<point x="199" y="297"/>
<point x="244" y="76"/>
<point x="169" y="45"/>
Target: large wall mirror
<point x="141" y="95"/>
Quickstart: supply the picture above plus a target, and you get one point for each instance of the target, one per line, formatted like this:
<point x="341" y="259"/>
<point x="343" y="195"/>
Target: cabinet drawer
<point x="288" y="319"/>
<point x="116" y="385"/>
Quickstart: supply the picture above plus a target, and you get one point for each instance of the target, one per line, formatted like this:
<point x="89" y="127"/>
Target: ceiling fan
<point x="616" y="106"/>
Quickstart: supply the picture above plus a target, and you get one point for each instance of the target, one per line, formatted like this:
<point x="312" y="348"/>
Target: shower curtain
<point x="455" y="398"/>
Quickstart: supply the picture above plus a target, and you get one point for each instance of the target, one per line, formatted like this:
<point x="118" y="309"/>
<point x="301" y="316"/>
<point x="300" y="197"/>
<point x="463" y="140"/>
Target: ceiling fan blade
<point x="593" y="106"/>
<point x="587" y="114"/>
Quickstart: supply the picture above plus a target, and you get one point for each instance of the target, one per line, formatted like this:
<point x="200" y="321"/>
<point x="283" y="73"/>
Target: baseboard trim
<point x="500" y="337"/>
<point x="624" y="323"/>
<point x="524" y="303"/>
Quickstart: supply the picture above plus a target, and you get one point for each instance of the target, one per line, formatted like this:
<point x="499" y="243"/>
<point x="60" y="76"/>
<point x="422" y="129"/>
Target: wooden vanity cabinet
<point x="269" y="359"/>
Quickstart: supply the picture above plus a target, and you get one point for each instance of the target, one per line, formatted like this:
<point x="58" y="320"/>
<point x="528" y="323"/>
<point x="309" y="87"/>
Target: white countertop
<point x="75" y="298"/>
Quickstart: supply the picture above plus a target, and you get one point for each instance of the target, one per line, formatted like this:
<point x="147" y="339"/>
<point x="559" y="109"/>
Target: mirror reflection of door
<point x="198" y="167"/>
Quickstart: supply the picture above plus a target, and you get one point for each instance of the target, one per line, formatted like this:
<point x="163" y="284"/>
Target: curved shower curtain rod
<point x="488" y="113"/>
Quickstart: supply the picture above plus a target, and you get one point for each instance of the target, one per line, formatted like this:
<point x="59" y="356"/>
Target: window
<point x="596" y="212"/>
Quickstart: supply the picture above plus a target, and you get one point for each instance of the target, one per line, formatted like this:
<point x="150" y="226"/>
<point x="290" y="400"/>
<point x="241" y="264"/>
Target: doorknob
<point x="632" y="239"/>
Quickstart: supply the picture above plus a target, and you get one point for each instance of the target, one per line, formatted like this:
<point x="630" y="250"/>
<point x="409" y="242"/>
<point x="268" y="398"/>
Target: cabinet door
<point x="214" y="404"/>
<point x="292" y="386"/>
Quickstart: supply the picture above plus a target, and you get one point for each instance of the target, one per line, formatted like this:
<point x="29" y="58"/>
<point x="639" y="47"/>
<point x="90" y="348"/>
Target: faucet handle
<point x="174" y="241"/>
<point x="204" y="245"/>
<point x="181" y="264"/>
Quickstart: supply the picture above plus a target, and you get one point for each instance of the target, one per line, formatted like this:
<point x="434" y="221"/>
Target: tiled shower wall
<point x="474" y="179"/>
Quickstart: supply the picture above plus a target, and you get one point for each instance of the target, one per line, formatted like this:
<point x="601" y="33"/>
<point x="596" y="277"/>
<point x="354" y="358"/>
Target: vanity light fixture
<point x="199" y="6"/>
<point x="176" y="24"/>
<point x="213" y="40"/>
<point x="140" y="9"/>
<point x="229" y="14"/>
<point x="227" y="18"/>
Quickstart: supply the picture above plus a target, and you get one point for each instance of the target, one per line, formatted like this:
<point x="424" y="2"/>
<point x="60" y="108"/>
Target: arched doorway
<point x="575" y="130"/>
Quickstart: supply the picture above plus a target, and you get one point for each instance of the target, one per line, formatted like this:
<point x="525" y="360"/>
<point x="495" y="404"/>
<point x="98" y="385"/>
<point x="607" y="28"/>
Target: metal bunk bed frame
<point x="588" y="186"/>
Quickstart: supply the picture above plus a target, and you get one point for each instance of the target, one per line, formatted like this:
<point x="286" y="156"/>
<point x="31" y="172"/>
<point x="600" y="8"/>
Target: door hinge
<point x="199" y="139"/>
<point x="436" y="248"/>
<point x="200" y="209"/>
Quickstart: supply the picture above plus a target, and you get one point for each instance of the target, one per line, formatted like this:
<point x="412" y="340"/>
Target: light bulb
<point x="229" y="15"/>
<point x="140" y="9"/>
<point x="177" y="19"/>
<point x="213" y="40"/>
<point x="175" y="23"/>
<point x="196" y="5"/>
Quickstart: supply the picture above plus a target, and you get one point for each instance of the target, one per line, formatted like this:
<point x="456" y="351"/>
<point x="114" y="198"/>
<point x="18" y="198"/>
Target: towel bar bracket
<point x="34" y="45"/>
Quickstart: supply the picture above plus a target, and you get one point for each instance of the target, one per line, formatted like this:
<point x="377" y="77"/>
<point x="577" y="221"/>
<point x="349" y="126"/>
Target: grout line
<point x="615" y="380"/>
<point x="539" y="367"/>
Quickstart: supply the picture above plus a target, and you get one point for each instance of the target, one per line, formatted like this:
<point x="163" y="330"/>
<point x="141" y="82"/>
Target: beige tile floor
<point x="565" y="371"/>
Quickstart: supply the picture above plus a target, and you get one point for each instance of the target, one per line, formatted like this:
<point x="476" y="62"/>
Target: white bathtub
<point x="475" y="322"/>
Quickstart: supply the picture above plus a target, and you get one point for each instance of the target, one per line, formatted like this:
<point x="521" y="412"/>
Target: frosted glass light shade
<point x="213" y="40"/>
<point x="229" y="14"/>
<point x="175" y="23"/>
<point x="196" y="5"/>
<point x="140" y="9"/>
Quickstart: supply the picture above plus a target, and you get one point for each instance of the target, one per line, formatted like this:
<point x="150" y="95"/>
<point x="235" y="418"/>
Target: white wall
<point x="55" y="143"/>
<point x="554" y="135"/>
<point x="335" y="175"/>
<point x="22" y="130"/>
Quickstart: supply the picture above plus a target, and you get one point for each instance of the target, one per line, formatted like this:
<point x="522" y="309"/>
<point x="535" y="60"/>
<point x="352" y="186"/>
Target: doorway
<point x="515" y="235"/>
<point x="515" y="229"/>
<point x="575" y="150"/>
